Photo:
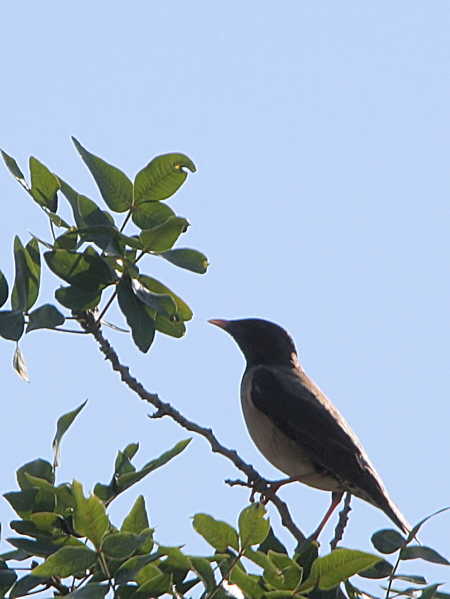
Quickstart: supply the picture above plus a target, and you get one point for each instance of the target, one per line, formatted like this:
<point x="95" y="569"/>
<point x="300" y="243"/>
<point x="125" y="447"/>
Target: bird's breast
<point x="281" y="451"/>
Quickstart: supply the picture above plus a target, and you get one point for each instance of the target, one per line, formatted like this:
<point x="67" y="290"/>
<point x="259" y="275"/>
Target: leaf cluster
<point x="95" y="255"/>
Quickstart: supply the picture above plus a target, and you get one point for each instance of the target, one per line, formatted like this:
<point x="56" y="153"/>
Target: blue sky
<point x="321" y="136"/>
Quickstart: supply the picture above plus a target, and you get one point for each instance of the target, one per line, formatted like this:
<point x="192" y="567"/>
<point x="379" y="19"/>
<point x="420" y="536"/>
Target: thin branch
<point x="105" y="309"/>
<point x="90" y="325"/>
<point x="342" y="522"/>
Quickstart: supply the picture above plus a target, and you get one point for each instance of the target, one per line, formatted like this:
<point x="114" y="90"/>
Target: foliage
<point x="66" y="542"/>
<point x="94" y="256"/>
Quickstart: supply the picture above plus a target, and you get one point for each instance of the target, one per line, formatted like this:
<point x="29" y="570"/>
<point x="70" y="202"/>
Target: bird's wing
<point x="297" y="407"/>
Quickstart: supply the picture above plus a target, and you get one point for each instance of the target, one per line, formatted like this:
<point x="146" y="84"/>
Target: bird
<point x="296" y="427"/>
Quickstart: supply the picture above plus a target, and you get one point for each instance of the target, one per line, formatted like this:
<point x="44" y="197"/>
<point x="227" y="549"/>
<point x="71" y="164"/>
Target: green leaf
<point x="45" y="317"/>
<point x="114" y="185"/>
<point x="89" y="591"/>
<point x="120" y="545"/>
<point x="217" y="533"/>
<point x="291" y="572"/>
<point x="382" y="569"/>
<point x="161" y="177"/>
<point x="46" y="523"/>
<point x="44" y="185"/>
<point x="409" y="578"/>
<point x="28" y="271"/>
<point x="90" y="519"/>
<point x="328" y="571"/>
<point x="66" y="562"/>
<point x="62" y="425"/>
<point x="421" y="552"/>
<point x="131" y="450"/>
<point x="22" y="502"/>
<point x="57" y="220"/>
<point x="67" y="241"/>
<point x="77" y="299"/>
<point x="39" y="469"/>
<point x="24" y="585"/>
<point x="141" y="323"/>
<point x="169" y="327"/>
<point x="13" y="167"/>
<point x="86" y="270"/>
<point x="4" y="290"/>
<point x="7" y="579"/>
<point x="156" y="586"/>
<point x="160" y="302"/>
<point x="162" y="237"/>
<point x="20" y="365"/>
<point x="253" y="528"/>
<point x="430" y="591"/>
<point x="125" y="481"/>
<point x="137" y="520"/>
<point x="130" y="568"/>
<point x="272" y="542"/>
<point x="188" y="259"/>
<point x="387" y="540"/>
<point x="38" y="547"/>
<point x="12" y="324"/>
<point x="247" y="583"/>
<point x="203" y="568"/>
<point x="183" y="310"/>
<point x="151" y="214"/>
<point x="415" y="529"/>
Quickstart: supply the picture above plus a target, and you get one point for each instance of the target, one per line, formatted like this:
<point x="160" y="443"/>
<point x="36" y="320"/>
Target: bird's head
<point x="261" y="341"/>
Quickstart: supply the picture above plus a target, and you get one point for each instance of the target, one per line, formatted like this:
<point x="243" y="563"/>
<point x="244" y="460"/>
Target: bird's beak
<point x="223" y="324"/>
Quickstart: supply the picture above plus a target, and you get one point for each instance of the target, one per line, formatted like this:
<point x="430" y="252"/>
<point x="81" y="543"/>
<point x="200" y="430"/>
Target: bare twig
<point x="342" y="522"/>
<point x="90" y="325"/>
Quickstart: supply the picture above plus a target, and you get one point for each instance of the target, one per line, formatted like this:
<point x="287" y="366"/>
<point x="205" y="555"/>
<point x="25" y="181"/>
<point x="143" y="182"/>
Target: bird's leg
<point x="336" y="497"/>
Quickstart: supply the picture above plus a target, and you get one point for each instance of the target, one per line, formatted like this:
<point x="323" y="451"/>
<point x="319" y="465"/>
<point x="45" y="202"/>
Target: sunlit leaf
<point x="90" y="519"/>
<point x="217" y="533"/>
<point x="66" y="562"/>
<point x="147" y="215"/>
<point x="137" y="520"/>
<point x="328" y="571"/>
<point x="183" y="310"/>
<point x="44" y="185"/>
<point x="13" y="167"/>
<point x="114" y="185"/>
<point x="188" y="259"/>
<point x="253" y="527"/>
<point x="162" y="237"/>
<point x="161" y="177"/>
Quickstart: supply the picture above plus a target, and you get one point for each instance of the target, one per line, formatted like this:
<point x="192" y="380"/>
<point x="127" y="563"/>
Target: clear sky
<point x="321" y="135"/>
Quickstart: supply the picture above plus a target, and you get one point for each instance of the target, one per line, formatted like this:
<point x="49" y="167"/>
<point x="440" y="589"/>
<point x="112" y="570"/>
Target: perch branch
<point x="90" y="325"/>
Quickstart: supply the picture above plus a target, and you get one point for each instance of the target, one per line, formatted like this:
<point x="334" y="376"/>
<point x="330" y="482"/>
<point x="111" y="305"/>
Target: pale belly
<point x="282" y="452"/>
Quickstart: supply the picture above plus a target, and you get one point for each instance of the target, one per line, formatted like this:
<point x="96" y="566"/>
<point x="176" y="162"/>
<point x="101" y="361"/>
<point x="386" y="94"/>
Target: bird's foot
<point x="272" y="488"/>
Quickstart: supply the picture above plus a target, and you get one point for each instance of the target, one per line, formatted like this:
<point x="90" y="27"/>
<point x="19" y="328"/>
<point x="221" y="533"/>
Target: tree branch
<point x="89" y="324"/>
<point x="342" y="522"/>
